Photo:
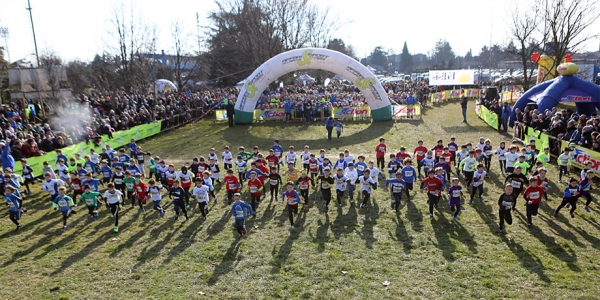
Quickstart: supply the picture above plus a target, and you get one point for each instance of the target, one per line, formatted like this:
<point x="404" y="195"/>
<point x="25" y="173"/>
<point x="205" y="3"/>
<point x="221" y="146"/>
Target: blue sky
<point x="77" y="29"/>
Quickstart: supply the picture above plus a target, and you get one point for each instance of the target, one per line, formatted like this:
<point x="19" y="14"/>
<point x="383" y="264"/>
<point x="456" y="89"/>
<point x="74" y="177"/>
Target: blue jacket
<point x="287" y="106"/>
<point x="575" y="138"/>
<point x="240" y="210"/>
<point x="13" y="202"/>
<point x="409" y="175"/>
<point x="8" y="161"/>
<point x="329" y="122"/>
<point x="506" y="111"/>
<point x="293" y="195"/>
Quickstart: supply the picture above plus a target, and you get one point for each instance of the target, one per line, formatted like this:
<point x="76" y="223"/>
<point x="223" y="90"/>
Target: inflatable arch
<point x="565" y="88"/>
<point x="312" y="58"/>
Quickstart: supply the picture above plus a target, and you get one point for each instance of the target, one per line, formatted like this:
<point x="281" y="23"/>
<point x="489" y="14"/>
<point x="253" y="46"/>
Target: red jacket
<point x="534" y="194"/>
<point x="433" y="185"/>
<point x="255" y="184"/>
<point x="140" y="190"/>
<point x="231" y="183"/>
<point x="380" y="150"/>
<point x="420" y="152"/>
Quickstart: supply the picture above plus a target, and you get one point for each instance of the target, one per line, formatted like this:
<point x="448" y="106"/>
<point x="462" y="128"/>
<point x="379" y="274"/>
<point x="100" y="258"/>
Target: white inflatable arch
<point x="312" y="58"/>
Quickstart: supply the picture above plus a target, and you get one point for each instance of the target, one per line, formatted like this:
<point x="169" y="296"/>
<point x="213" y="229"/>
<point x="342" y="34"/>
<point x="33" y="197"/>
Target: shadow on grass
<point x="90" y="247"/>
<point x="281" y="257"/>
<point x="371" y="215"/>
<point x="401" y="235"/>
<point x="528" y="260"/>
<point x="321" y="236"/>
<point x="445" y="230"/>
<point x="153" y="252"/>
<point x="227" y="264"/>
<point x="345" y="224"/>
<point x="186" y="238"/>
<point x="374" y="131"/>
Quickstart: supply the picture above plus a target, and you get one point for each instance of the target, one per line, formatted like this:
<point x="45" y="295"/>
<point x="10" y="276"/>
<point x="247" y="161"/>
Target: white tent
<point x="305" y="77"/>
<point x="338" y="77"/>
<point x="163" y="85"/>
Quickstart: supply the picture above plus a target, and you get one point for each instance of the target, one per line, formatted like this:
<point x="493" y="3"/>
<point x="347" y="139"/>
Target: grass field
<point x="346" y="254"/>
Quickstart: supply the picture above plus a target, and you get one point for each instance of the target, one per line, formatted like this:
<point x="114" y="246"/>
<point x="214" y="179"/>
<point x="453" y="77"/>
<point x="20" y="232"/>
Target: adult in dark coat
<point x="230" y="112"/>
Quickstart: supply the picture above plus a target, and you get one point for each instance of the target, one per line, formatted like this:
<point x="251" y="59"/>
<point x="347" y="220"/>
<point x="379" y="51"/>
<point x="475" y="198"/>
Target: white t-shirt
<point x="113" y="197"/>
<point x="228" y="158"/>
<point x="201" y="193"/>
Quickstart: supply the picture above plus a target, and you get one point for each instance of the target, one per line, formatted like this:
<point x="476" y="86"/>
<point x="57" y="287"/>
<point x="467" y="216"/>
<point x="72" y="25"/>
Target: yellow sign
<point x="251" y="87"/>
<point x="306" y="58"/>
<point x="465" y="78"/>
<point x="364" y="84"/>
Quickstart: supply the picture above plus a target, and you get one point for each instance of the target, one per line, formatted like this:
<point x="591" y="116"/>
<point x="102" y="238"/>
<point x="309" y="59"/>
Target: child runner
<point x="341" y="162"/>
<point x="571" y="195"/>
<point x="544" y="157"/>
<point x="91" y="201"/>
<point x="129" y="191"/>
<point x="140" y="192"/>
<point x="428" y="162"/>
<point x="255" y="187"/>
<point x="438" y="149"/>
<point x="232" y="185"/>
<point x="14" y="205"/>
<point x="305" y="155"/>
<point x="47" y="169"/>
<point x="352" y="175"/>
<point x="517" y="180"/>
<point x="313" y="166"/>
<point x="433" y="186"/>
<point x="419" y="154"/>
<point x="409" y="175"/>
<point x="453" y="148"/>
<point x="511" y="158"/>
<point x="291" y="197"/>
<point x="65" y="203"/>
<point x="501" y="152"/>
<point x="507" y="203"/>
<point x="178" y="195"/>
<point x="215" y="172"/>
<point x="107" y="173"/>
<point x="523" y="164"/>
<point x="239" y="210"/>
<point x="398" y="186"/>
<point x="241" y="166"/>
<point x="339" y="128"/>
<point x="340" y="184"/>
<point x="585" y="187"/>
<point x="360" y="166"/>
<point x="564" y="163"/>
<point x="326" y="181"/>
<point x="393" y="166"/>
<point x="51" y="186"/>
<point x="112" y="197"/>
<point x="227" y="157"/>
<point x="277" y="149"/>
<point x="274" y="182"/>
<point x="488" y="151"/>
<point x="76" y="186"/>
<point x="533" y="195"/>
<point x="347" y="157"/>
<point x="367" y="183"/>
<point x="380" y="150"/>
<point x="467" y="165"/>
<point x="186" y="177"/>
<point x="303" y="184"/>
<point x="478" y="179"/>
<point x="200" y="193"/>
<point x="455" y="194"/>
<point x="27" y="173"/>
<point x="154" y="191"/>
<point x="118" y="180"/>
<point x="460" y="156"/>
<point x="273" y="160"/>
<point x="290" y="156"/>
<point x="152" y="165"/>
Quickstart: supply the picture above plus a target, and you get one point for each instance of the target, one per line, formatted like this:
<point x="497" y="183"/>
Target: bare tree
<point x="133" y="41"/>
<point x="525" y="30"/>
<point x="186" y="64"/>
<point x="567" y="22"/>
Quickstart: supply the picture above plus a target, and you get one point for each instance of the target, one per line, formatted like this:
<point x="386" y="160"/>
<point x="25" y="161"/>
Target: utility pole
<point x="37" y="56"/>
<point x="4" y="34"/>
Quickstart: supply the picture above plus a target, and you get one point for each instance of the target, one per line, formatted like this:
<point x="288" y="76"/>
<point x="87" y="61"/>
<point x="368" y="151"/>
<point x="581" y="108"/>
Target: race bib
<point x="408" y="173"/>
<point x="201" y="198"/>
<point x="312" y="166"/>
<point x="515" y="184"/>
<point x="341" y="184"/>
<point x="62" y="203"/>
<point x="435" y="193"/>
<point x="76" y="186"/>
<point x="11" y="205"/>
<point x="489" y="152"/>
<point x="290" y="200"/>
<point x="239" y="213"/>
<point x="129" y="185"/>
<point x="89" y="201"/>
<point x="271" y="163"/>
<point x="573" y="191"/>
<point x="277" y="153"/>
<point x="455" y="194"/>
<point x="507" y="204"/>
<point x="253" y="189"/>
<point x="534" y="195"/>
<point x="397" y="189"/>
<point x="118" y="181"/>
<point x="419" y="153"/>
<point x="273" y="181"/>
<point x="360" y="168"/>
<point x="303" y="186"/>
<point x="325" y="185"/>
<point x="232" y="186"/>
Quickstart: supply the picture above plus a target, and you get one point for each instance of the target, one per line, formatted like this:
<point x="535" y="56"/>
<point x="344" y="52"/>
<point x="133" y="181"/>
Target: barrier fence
<point x="344" y="113"/>
<point x="543" y="140"/>
<point x="454" y="94"/>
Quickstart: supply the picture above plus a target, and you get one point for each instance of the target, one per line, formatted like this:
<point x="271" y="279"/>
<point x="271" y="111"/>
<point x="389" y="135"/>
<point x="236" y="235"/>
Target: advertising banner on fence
<point x="487" y="116"/>
<point x="472" y="93"/>
<point x="438" y="96"/>
<point x="120" y="138"/>
<point x="541" y="139"/>
<point x="269" y="114"/>
<point x="403" y="111"/>
<point x="451" y="77"/>
<point x="221" y="114"/>
<point x="583" y="154"/>
<point x="352" y="112"/>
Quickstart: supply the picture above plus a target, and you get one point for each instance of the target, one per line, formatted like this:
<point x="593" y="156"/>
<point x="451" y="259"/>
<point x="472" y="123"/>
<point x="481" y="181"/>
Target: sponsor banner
<point x="120" y="138"/>
<point x="435" y="97"/>
<point x="269" y="114"/>
<point x="510" y="96"/>
<point x="403" y="111"/>
<point x="472" y="93"/>
<point x="541" y="139"/>
<point x="583" y="154"/>
<point x="221" y="114"/>
<point x="487" y="116"/>
<point x="352" y="112"/>
<point x="451" y="77"/>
